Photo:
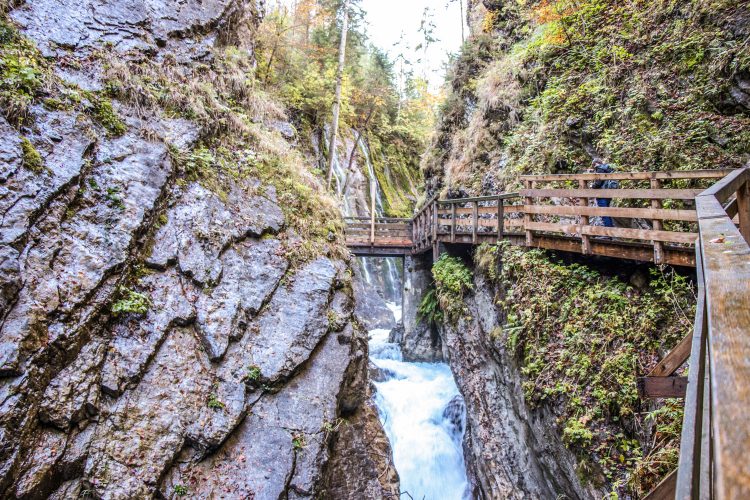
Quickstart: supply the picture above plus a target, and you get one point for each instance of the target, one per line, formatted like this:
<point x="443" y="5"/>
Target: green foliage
<point x="113" y="197"/>
<point x="582" y="339"/>
<point x="31" y="157"/>
<point x="180" y="490"/>
<point x="429" y="308"/>
<point x="298" y="441"/>
<point x="131" y="302"/>
<point x="253" y="373"/>
<point x="106" y="116"/>
<point x="214" y="402"/>
<point x="452" y="280"/>
<point x="592" y="76"/>
<point x="22" y="72"/>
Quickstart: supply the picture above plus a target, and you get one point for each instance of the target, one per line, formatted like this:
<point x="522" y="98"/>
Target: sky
<point x="388" y="19"/>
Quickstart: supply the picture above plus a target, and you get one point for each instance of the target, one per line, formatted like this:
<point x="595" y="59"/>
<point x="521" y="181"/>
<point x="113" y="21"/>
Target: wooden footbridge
<point x="699" y="219"/>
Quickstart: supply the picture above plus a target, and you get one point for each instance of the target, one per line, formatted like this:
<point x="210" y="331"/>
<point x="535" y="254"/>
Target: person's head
<point x="599" y="165"/>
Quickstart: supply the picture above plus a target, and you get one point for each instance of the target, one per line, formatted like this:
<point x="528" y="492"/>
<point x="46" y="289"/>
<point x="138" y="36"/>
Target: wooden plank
<point x="688" y="476"/>
<point x="491" y="210"/>
<point x="665" y="490"/>
<point x="527" y="218"/>
<point x="729" y="185"/>
<point x="474" y="222"/>
<point x="434" y="223"/>
<point x="662" y="387"/>
<point x="743" y="210"/>
<point x="674" y="359"/>
<point x="615" y="232"/>
<point x="492" y="197"/>
<point x="630" y="213"/>
<point x="727" y="276"/>
<point x="377" y="225"/>
<point x="469" y="222"/>
<point x="674" y="174"/>
<point x="500" y="219"/>
<point x="453" y="222"/>
<point x="629" y="194"/>
<point x="657" y="225"/>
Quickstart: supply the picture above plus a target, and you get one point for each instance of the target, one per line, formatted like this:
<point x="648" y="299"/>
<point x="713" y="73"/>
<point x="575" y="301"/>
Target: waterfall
<point x="424" y="418"/>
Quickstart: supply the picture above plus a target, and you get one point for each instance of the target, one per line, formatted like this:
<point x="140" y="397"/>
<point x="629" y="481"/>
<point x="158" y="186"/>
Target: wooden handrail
<point x="624" y="176"/>
<point x="716" y="428"/>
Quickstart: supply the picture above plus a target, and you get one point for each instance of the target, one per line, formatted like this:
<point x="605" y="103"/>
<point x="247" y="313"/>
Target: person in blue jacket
<point x="603" y="168"/>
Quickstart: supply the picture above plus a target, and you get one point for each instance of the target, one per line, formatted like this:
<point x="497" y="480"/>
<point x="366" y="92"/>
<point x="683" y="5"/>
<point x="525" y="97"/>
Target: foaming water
<point x="424" y="417"/>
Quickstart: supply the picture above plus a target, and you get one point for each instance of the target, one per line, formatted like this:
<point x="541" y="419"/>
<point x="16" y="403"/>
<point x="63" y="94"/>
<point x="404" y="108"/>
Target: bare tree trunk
<point x="461" y="3"/>
<point x="337" y="102"/>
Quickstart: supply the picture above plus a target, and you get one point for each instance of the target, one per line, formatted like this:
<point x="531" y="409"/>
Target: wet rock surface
<point x="225" y="369"/>
<point x="511" y="451"/>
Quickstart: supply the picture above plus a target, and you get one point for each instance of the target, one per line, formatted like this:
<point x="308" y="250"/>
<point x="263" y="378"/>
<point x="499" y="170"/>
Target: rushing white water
<point x="424" y="418"/>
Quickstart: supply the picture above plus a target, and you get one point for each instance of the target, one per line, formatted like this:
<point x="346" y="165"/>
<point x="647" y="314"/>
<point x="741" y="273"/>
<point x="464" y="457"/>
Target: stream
<point x="424" y="418"/>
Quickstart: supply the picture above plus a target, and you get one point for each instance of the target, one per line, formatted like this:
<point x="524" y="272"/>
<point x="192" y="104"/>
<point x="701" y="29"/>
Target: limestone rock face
<point x="156" y="336"/>
<point x="511" y="452"/>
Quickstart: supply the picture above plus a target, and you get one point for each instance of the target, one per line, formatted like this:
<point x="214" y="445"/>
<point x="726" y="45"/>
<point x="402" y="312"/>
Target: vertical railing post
<point x="657" y="225"/>
<point x="743" y="210"/>
<point x="474" y="221"/>
<point x="527" y="216"/>
<point x="584" y="202"/>
<point x="372" y="211"/>
<point x="453" y="222"/>
<point x="500" y="218"/>
<point x="434" y="222"/>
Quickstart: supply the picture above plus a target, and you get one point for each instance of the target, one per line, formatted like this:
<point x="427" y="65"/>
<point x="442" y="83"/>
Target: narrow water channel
<point x="424" y="418"/>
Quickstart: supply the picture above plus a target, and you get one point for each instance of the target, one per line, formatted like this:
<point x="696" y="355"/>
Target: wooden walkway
<point x="699" y="219"/>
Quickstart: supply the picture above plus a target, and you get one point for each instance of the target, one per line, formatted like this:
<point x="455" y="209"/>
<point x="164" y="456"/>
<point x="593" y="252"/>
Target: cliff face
<point x="545" y="86"/>
<point x="171" y="324"/>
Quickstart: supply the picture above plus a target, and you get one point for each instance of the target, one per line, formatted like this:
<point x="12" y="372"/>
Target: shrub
<point x="452" y="280"/>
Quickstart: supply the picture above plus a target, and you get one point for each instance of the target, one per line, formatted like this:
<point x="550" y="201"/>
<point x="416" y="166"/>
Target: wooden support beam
<point x="674" y="359"/>
<point x="665" y="490"/>
<point x="626" y="194"/>
<point x="528" y="200"/>
<point x="662" y="387"/>
<point x="743" y="210"/>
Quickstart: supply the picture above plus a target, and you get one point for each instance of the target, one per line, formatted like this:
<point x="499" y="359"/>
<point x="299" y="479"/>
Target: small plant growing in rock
<point x="131" y="302"/>
<point x="214" y="402"/>
<point x="253" y="373"/>
<point x="31" y="157"/>
<point x="180" y="490"/>
<point x="298" y="441"/>
<point x="105" y="114"/>
<point x="113" y="196"/>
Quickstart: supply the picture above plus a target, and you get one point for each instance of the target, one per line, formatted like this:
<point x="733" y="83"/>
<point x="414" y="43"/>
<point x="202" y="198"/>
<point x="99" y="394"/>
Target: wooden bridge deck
<point x="683" y="218"/>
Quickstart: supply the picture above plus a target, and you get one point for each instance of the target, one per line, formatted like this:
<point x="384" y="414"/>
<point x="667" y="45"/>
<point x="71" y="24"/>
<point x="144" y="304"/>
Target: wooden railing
<point x="716" y="427"/>
<point x="382" y="231"/>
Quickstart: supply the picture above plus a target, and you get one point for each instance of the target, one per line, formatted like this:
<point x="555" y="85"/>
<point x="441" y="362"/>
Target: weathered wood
<point x="675" y="174"/>
<point x="674" y="359"/>
<point x="729" y="185"/>
<point x="378" y="225"/>
<point x="489" y="210"/>
<point x="628" y="194"/>
<point x="631" y="213"/>
<point x="615" y="232"/>
<point x="688" y="470"/>
<point x="500" y="219"/>
<point x="492" y="197"/>
<point x="453" y="223"/>
<point x="662" y="387"/>
<point x="585" y="240"/>
<point x="725" y="255"/>
<point x="665" y="490"/>
<point x="474" y="221"/>
<point x="527" y="218"/>
<point x="657" y="224"/>
<point x="743" y="209"/>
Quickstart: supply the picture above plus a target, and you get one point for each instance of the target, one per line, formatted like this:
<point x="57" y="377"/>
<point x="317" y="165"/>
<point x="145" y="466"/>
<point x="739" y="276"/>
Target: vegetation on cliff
<point x="582" y="339"/>
<point x="545" y="85"/>
<point x="297" y="60"/>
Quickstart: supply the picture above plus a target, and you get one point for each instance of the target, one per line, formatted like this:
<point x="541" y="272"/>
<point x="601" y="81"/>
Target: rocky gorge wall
<point x="167" y="331"/>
